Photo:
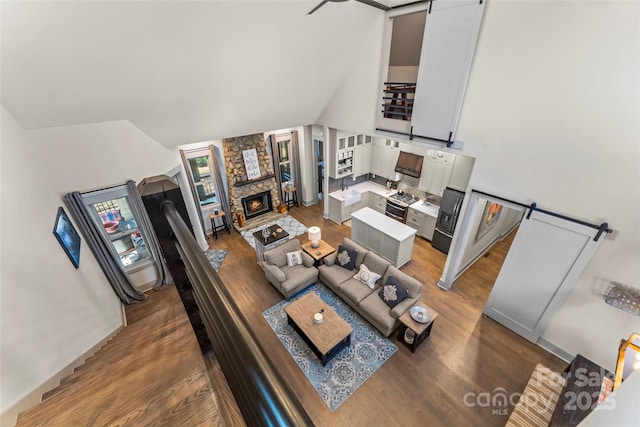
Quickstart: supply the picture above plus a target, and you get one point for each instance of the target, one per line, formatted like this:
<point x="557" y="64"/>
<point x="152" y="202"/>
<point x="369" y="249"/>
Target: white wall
<point x="354" y="104"/>
<point x="551" y="114"/>
<point x="56" y="310"/>
<point x="50" y="312"/>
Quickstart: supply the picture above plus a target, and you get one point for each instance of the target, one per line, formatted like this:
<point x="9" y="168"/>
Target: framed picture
<point x="67" y="236"/>
<point x="251" y="163"/>
<point x="489" y="219"/>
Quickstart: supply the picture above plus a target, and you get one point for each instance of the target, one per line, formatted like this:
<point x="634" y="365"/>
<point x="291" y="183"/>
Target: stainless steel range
<point x="398" y="205"/>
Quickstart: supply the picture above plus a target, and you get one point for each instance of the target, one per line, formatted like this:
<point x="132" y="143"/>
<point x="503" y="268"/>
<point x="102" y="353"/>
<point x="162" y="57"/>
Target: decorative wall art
<point x="67" y="236"/>
<point x="489" y="219"/>
<point x="251" y="163"/>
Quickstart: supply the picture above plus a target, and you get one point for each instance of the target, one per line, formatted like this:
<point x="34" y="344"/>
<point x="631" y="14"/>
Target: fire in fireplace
<point x="257" y="204"/>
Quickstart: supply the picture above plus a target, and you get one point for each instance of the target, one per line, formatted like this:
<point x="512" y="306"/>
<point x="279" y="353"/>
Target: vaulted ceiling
<point x="181" y="71"/>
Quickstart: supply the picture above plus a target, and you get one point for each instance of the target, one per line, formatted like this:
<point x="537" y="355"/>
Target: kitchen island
<point x="390" y="239"/>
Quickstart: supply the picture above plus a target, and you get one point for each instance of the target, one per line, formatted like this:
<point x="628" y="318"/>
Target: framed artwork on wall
<point x="489" y="219"/>
<point x="67" y="236"/>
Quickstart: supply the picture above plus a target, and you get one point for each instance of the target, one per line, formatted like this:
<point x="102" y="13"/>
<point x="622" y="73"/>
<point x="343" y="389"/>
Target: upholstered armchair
<point x="288" y="268"/>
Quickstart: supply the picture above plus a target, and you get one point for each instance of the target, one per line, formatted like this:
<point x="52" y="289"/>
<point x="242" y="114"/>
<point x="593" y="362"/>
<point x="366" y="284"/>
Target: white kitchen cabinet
<point x="340" y="160"/>
<point x="416" y="219"/>
<point x="339" y="213"/>
<point x="424" y="223"/>
<point x="384" y="158"/>
<point x="428" y="228"/>
<point x="363" y="154"/>
<point x="461" y="173"/>
<point x="436" y="171"/>
<point x="377" y="202"/>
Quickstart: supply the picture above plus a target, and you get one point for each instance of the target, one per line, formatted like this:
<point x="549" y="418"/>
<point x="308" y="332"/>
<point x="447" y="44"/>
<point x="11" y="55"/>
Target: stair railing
<point x="262" y="395"/>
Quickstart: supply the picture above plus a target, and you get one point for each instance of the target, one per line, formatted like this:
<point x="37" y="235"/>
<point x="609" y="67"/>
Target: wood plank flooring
<point x="466" y="354"/>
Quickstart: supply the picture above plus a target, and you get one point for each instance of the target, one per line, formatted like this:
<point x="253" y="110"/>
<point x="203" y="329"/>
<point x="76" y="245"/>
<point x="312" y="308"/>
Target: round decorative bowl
<point x="419" y="314"/>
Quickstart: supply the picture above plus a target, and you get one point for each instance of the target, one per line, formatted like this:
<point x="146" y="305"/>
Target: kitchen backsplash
<point x="336" y="184"/>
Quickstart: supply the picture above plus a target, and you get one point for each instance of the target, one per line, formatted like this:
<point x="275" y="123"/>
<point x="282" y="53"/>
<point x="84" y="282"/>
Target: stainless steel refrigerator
<point x="447" y="218"/>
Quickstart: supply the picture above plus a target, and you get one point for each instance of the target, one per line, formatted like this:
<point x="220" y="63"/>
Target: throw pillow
<point x="367" y="276"/>
<point x="294" y="258"/>
<point x="346" y="257"/>
<point x="392" y="293"/>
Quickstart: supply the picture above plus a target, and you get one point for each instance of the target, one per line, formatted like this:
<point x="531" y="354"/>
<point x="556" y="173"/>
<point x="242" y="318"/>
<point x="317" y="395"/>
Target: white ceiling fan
<point x="367" y="2"/>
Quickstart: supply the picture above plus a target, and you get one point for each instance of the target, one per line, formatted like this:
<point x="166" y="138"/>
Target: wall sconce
<point x="314" y="236"/>
<point x="628" y="359"/>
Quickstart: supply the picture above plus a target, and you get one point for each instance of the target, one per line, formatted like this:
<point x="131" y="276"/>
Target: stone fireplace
<point x="257" y="204"/>
<point x="261" y="192"/>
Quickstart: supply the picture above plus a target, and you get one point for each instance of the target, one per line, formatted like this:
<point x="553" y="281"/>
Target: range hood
<point x="409" y="164"/>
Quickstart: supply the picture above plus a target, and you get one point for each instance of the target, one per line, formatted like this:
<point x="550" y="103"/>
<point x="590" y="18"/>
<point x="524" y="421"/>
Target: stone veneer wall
<point x="234" y="165"/>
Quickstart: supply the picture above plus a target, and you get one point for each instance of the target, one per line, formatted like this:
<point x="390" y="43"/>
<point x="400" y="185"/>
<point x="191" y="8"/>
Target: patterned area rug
<point x="287" y="222"/>
<point x="342" y="376"/>
<point x="215" y="257"/>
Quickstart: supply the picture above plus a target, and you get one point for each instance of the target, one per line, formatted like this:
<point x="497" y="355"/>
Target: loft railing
<point x="397" y="101"/>
<point x="262" y="395"/>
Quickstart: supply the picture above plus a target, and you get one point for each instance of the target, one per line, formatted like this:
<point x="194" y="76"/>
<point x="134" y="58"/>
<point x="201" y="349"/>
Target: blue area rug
<point x="342" y="376"/>
<point x="215" y="257"/>
<point x="287" y="223"/>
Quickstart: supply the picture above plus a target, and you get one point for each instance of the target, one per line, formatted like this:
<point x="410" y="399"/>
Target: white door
<point x="448" y="45"/>
<point x="543" y="263"/>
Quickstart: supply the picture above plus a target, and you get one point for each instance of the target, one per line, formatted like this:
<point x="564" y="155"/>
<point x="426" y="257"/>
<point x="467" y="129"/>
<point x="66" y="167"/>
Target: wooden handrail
<point x="262" y="395"/>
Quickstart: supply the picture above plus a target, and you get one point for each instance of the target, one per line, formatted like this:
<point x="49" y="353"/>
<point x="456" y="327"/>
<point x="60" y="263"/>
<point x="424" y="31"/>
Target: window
<point x="284" y="159"/>
<point x="201" y="174"/>
<point x="110" y="209"/>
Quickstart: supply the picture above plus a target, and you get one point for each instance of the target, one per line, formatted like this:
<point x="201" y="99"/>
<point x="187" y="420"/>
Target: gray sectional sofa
<point x="360" y="296"/>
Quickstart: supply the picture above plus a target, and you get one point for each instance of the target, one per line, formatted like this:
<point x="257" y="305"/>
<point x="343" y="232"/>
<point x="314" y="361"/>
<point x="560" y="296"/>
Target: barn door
<point x="547" y="255"/>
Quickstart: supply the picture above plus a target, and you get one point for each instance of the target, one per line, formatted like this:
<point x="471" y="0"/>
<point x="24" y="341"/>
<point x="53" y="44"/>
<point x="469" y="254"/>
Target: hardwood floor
<point x="466" y="352"/>
<point x="157" y="375"/>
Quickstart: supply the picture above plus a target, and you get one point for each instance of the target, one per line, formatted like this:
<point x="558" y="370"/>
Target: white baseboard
<point x="555" y="350"/>
<point x="10" y="416"/>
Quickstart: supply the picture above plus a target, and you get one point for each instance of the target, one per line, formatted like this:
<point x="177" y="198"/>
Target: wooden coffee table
<point x="320" y="252"/>
<point x="326" y="339"/>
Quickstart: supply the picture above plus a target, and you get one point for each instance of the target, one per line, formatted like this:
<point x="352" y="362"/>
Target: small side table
<point x="291" y="197"/>
<point x="214" y="227"/>
<point x="421" y="330"/>
<point x="319" y="253"/>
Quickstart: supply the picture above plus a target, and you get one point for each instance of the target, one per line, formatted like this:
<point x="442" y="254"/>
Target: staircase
<point x="151" y="373"/>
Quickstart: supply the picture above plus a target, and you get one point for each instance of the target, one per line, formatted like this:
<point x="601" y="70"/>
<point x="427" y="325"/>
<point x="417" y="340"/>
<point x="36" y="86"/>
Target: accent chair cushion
<point x="392" y="293"/>
<point x="346" y="257"/>
<point x="294" y="258"/>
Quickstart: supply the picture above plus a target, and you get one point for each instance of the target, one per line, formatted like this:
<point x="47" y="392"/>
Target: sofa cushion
<point x="367" y="276"/>
<point x="355" y="290"/>
<point x="392" y="292"/>
<point x="409" y="283"/>
<point x="334" y="275"/>
<point x="376" y="309"/>
<point x="294" y="258"/>
<point x="346" y="257"/>
<point x="376" y="263"/>
<point x="297" y="276"/>
<point x="362" y="252"/>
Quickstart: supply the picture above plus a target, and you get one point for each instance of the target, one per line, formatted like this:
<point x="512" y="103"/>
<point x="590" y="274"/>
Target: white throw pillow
<point x="367" y="276"/>
<point x="294" y="258"/>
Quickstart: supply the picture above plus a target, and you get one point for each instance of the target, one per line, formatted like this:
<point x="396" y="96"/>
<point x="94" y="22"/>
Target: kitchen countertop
<point x="363" y="187"/>
<point x="426" y="207"/>
<point x="384" y="224"/>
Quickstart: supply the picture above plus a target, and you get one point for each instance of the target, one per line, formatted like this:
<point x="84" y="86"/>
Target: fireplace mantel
<point x="251" y="181"/>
